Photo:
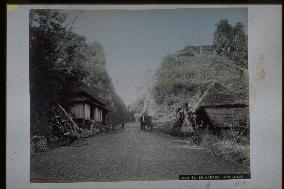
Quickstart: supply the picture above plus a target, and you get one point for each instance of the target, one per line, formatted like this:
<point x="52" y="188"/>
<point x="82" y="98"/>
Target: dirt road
<point x="127" y="154"/>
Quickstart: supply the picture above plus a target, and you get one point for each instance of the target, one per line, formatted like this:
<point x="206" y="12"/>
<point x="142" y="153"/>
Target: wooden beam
<point x="74" y="124"/>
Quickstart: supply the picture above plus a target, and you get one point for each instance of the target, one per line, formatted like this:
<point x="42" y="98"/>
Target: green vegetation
<point x="59" y="56"/>
<point x="227" y="148"/>
<point x="183" y="77"/>
<point x="232" y="41"/>
<point x="185" y="81"/>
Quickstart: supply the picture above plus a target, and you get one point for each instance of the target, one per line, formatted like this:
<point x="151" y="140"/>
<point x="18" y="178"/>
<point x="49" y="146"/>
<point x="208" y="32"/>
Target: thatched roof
<point x="218" y="95"/>
<point x="81" y="88"/>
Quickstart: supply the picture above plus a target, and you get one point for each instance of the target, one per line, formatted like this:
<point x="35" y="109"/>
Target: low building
<point x="86" y="106"/>
<point x="222" y="109"/>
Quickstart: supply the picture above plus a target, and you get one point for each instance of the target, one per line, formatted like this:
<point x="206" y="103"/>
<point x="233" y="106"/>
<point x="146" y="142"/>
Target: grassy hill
<point x="183" y="79"/>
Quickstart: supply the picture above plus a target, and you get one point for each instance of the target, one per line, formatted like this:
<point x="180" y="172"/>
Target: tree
<point x="98" y="78"/>
<point x="46" y="29"/>
<point x="58" y="58"/>
<point x="240" y="42"/>
<point x="223" y="38"/>
<point x="231" y="41"/>
<point x="56" y="55"/>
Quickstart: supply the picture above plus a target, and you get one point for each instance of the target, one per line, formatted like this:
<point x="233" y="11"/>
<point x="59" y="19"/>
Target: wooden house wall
<point x="78" y="110"/>
<point x="98" y="114"/>
<point x="223" y="117"/>
<point x="87" y="111"/>
<point x="83" y="110"/>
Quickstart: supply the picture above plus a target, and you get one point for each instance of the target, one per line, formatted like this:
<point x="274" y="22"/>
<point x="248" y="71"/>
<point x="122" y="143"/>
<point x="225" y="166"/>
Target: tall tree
<point x="223" y="38"/>
<point x="46" y="29"/>
<point x="56" y="55"/>
<point x="231" y="41"/>
<point x="60" y="57"/>
<point x="240" y="43"/>
<point x="99" y="79"/>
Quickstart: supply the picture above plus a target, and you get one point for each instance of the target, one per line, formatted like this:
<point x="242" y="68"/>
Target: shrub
<point x="227" y="149"/>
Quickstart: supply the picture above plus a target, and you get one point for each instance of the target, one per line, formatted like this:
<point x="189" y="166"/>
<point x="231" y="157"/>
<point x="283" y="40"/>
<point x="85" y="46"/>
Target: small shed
<point x="86" y="105"/>
<point x="221" y="108"/>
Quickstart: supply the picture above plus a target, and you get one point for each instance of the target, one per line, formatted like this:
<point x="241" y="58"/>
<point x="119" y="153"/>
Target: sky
<point x="135" y="41"/>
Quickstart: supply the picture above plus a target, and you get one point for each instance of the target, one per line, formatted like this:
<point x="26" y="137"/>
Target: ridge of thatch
<point x="79" y="87"/>
<point x="218" y="95"/>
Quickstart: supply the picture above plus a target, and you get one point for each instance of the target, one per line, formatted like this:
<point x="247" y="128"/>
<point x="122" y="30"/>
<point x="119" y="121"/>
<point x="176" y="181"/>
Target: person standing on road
<point x="122" y="122"/>
<point x="142" y="123"/>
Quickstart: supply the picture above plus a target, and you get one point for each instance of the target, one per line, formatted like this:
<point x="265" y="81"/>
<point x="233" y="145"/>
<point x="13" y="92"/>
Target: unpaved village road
<point x="127" y="154"/>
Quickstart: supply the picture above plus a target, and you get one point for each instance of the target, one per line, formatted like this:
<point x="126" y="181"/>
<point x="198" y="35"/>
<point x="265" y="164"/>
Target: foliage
<point x="179" y="82"/>
<point x="48" y="66"/>
<point x="99" y="79"/>
<point x="227" y="149"/>
<point x="183" y="77"/>
<point x="232" y="42"/>
<point x="58" y="57"/>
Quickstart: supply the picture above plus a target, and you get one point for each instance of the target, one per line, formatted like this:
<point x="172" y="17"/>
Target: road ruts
<point x="127" y="154"/>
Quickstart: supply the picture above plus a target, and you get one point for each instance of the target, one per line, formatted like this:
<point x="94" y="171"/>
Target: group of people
<point x="184" y="120"/>
<point x="145" y="120"/>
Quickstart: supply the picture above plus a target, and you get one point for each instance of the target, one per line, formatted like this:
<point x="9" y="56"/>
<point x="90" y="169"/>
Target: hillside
<point x="184" y="78"/>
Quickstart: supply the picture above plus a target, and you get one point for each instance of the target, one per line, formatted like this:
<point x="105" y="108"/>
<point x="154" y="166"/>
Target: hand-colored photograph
<point x="138" y="95"/>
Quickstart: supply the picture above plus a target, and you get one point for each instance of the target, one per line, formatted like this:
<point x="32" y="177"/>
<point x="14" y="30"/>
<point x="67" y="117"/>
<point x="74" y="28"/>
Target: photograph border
<point x="253" y="90"/>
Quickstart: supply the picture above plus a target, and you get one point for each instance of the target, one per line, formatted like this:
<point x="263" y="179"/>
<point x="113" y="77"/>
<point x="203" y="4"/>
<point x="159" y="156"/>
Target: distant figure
<point x="149" y="122"/>
<point x="122" y="122"/>
<point x="179" y="117"/>
<point x="187" y="127"/>
<point x="178" y="123"/>
<point x="183" y="125"/>
<point x="57" y="129"/>
<point x="142" y="122"/>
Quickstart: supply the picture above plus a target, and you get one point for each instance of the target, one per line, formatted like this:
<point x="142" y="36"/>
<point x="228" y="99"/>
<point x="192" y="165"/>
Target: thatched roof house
<point x="86" y="105"/>
<point x="222" y="108"/>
